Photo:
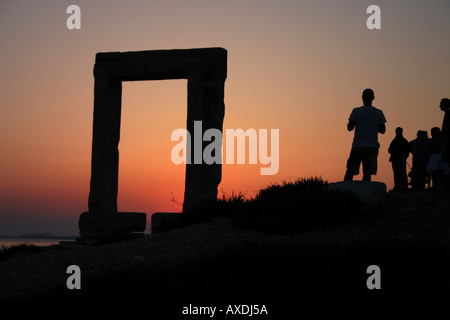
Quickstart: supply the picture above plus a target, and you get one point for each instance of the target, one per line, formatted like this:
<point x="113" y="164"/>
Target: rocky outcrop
<point x="371" y="193"/>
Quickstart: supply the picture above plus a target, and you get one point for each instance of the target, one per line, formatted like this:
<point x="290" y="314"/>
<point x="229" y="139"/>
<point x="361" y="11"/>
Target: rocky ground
<point x="412" y="218"/>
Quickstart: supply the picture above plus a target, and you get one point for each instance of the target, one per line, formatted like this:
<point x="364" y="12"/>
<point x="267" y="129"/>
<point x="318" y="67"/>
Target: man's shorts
<point x="368" y="157"/>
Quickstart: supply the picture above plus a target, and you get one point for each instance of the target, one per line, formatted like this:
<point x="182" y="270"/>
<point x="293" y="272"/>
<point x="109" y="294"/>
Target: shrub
<point x="299" y="206"/>
<point x="225" y="206"/>
<point x="8" y="251"/>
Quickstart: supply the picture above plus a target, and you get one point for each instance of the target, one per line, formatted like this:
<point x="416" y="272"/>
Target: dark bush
<point x="290" y="207"/>
<point x="300" y="206"/>
<point x="224" y="207"/>
<point x="8" y="251"/>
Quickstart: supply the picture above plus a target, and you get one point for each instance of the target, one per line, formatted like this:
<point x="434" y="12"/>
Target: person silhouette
<point x="419" y="149"/>
<point x="435" y="166"/>
<point x="399" y="151"/>
<point x="445" y="106"/>
<point x="367" y="121"/>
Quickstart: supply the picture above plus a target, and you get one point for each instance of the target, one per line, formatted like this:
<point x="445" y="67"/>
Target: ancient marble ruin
<point x="206" y="71"/>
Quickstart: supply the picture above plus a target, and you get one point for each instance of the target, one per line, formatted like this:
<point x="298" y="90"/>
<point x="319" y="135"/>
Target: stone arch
<point x="206" y="71"/>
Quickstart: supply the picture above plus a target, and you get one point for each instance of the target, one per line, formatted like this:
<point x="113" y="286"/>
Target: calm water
<point x="37" y="242"/>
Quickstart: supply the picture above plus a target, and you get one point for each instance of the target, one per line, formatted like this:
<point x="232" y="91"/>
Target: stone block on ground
<point x="370" y="193"/>
<point x="165" y="221"/>
<point x="98" y="238"/>
<point x="116" y="222"/>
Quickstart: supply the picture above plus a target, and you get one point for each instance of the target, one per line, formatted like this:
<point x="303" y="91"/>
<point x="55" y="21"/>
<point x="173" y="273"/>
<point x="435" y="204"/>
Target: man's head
<point x="445" y="104"/>
<point x="435" y="132"/>
<point x="399" y="131"/>
<point x="422" y="135"/>
<point x="368" y="96"/>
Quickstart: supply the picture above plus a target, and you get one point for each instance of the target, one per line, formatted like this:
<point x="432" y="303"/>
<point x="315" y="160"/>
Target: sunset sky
<point x="297" y="66"/>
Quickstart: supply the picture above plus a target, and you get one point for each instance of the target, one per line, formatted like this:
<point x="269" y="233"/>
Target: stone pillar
<point x="103" y="223"/>
<point x="105" y="141"/>
<point x="206" y="104"/>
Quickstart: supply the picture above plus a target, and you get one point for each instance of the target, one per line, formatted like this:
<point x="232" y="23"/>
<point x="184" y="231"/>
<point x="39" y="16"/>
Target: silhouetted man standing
<point x="399" y="151"/>
<point x="368" y="121"/>
<point x="445" y="106"/>
<point x="419" y="149"/>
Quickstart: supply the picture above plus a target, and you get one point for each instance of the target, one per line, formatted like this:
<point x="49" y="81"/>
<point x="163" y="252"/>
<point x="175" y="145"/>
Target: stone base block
<point x="101" y="238"/>
<point x="165" y="221"/>
<point x="99" y="228"/>
<point x="112" y="223"/>
<point x="369" y="192"/>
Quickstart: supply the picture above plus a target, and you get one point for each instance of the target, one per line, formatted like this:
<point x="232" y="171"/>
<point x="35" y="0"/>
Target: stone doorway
<point x="206" y="70"/>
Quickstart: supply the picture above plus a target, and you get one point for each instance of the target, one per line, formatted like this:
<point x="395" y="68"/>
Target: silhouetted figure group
<point x="427" y="164"/>
<point x="430" y="156"/>
<point x="430" y="160"/>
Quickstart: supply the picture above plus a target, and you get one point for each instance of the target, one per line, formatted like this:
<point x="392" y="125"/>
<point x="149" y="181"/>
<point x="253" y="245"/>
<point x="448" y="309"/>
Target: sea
<point x="7" y="242"/>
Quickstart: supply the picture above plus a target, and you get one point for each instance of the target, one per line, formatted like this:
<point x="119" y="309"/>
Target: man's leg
<point x="395" y="170"/>
<point x="353" y="163"/>
<point x="400" y="179"/>
<point x="369" y="161"/>
<point x="403" y="176"/>
<point x="367" y="167"/>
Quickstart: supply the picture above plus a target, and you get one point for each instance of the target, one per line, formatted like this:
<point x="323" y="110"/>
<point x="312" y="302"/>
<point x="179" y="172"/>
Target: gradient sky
<point x="297" y="66"/>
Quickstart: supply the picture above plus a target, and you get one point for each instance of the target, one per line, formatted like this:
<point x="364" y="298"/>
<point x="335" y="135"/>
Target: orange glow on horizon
<point x="296" y="66"/>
